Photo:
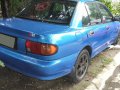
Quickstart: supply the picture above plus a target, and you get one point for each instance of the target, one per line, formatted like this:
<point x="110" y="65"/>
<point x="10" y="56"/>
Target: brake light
<point x="40" y="48"/>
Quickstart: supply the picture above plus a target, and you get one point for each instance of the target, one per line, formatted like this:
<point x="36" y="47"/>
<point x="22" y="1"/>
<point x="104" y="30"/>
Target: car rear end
<point x="31" y="53"/>
<point x="39" y="46"/>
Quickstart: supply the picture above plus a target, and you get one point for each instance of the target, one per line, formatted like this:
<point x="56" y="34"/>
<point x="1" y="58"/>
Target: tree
<point x="108" y="3"/>
<point x="4" y="7"/>
<point x="114" y="7"/>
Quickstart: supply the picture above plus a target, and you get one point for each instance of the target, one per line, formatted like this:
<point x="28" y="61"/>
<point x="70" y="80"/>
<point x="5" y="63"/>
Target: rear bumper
<point x="41" y="69"/>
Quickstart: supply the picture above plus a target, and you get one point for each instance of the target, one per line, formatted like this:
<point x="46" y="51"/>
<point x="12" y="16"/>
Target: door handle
<point x="91" y="33"/>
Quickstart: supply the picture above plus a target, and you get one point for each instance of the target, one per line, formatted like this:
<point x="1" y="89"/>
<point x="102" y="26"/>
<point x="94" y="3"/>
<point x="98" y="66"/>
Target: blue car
<point x="49" y="39"/>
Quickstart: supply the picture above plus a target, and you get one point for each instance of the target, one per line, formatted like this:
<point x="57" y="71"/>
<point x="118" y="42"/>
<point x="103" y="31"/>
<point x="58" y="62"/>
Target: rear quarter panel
<point x="65" y="41"/>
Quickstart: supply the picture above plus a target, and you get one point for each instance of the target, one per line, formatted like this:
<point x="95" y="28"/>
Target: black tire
<point x="81" y="66"/>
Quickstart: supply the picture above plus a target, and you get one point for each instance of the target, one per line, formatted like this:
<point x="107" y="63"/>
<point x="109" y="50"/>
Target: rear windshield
<point x="51" y="11"/>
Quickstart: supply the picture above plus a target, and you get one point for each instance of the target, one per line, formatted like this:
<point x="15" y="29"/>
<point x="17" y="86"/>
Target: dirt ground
<point x="10" y="80"/>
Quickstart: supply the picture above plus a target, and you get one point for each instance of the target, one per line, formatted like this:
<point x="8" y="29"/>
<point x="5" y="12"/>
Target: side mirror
<point x="117" y="18"/>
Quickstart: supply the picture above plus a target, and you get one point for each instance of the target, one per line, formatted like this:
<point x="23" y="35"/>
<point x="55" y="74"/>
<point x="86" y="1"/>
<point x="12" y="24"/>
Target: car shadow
<point x="10" y="80"/>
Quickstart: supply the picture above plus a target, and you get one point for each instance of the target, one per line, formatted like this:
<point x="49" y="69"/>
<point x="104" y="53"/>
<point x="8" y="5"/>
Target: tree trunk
<point x="4" y="8"/>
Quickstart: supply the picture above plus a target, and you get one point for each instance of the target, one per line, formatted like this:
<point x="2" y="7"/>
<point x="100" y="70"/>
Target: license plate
<point x="8" y="41"/>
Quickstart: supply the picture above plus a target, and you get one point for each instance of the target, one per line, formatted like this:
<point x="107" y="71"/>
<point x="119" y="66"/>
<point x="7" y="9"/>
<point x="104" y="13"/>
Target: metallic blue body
<point x="70" y="40"/>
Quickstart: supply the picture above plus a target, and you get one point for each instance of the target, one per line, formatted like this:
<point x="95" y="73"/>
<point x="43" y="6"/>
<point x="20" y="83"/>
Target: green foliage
<point x="114" y="7"/>
<point x="16" y="5"/>
<point x="108" y="3"/>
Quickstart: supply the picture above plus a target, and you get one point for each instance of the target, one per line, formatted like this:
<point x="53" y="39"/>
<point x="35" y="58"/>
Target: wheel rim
<point x="82" y="66"/>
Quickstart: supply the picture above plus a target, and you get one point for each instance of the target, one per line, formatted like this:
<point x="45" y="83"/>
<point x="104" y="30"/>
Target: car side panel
<point x="111" y="33"/>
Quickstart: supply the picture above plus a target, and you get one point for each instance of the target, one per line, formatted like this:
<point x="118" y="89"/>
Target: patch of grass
<point x="2" y="64"/>
<point x="105" y="60"/>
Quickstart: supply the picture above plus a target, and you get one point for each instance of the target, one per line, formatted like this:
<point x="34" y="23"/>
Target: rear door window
<point x="106" y="15"/>
<point x="94" y="13"/>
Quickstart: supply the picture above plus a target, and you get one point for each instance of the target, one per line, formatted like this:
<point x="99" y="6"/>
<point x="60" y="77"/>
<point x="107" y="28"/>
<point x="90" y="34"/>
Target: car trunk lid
<point x="23" y="30"/>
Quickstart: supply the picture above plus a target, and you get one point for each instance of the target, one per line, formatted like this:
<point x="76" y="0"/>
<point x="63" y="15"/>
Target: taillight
<point x="40" y="48"/>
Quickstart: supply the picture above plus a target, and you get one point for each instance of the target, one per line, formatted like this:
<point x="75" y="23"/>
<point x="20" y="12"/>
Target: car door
<point x="110" y="25"/>
<point x="95" y="29"/>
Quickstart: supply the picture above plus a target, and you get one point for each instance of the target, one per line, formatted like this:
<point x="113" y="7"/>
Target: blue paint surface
<point x="70" y="40"/>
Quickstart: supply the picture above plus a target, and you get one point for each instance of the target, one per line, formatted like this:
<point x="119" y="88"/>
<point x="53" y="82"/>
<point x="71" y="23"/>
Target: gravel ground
<point x="10" y="80"/>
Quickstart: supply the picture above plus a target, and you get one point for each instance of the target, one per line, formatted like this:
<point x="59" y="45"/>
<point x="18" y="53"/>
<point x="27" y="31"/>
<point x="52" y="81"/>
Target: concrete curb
<point x="99" y="82"/>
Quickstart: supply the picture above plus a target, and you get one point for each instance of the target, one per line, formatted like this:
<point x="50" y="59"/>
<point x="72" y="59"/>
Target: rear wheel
<point x="81" y="66"/>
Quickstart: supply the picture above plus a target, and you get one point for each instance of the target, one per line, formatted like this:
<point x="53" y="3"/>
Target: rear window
<point x="51" y="11"/>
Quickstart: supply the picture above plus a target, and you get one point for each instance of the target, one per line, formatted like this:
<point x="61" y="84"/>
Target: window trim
<point x="88" y="17"/>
